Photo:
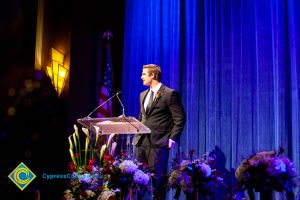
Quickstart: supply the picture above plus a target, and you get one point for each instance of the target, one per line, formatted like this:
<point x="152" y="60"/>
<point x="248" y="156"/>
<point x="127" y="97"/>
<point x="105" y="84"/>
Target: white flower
<point x="280" y="166"/>
<point x="277" y="166"/>
<point x="205" y="169"/>
<point x="184" y="164"/>
<point x="90" y="193"/>
<point x="86" y="131"/>
<point x="113" y="148"/>
<point x="140" y="177"/>
<point x="68" y="195"/>
<point x="128" y="167"/>
<point x="102" y="150"/>
<point x="105" y="195"/>
<point x="109" y="139"/>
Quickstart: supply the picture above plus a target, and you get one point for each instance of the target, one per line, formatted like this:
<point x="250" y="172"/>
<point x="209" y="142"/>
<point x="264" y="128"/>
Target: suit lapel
<point x="143" y="97"/>
<point x="161" y="90"/>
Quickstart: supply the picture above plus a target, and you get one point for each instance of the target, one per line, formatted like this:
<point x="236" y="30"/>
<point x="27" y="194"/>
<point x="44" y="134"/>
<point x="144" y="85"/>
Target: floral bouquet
<point x="194" y="175"/>
<point x="125" y="176"/>
<point x="99" y="174"/>
<point x="86" y="182"/>
<point x="266" y="171"/>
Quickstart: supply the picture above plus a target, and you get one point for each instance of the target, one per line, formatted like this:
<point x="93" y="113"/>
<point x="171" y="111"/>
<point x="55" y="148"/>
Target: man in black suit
<point x="161" y="111"/>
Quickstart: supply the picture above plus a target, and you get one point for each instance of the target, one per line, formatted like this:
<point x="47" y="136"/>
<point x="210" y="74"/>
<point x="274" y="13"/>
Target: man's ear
<point x="152" y="75"/>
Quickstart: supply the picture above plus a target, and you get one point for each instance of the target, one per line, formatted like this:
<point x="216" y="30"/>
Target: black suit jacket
<point x="166" y="117"/>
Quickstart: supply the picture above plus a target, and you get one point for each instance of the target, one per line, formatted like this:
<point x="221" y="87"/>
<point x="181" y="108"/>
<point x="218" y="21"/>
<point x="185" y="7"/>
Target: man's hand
<point x="171" y="143"/>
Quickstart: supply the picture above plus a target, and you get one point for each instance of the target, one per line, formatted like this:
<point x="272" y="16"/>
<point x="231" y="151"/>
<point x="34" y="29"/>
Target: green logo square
<point x="21" y="176"/>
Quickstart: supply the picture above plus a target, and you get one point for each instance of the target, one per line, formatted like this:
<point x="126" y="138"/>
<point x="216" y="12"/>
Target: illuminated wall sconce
<point x="57" y="72"/>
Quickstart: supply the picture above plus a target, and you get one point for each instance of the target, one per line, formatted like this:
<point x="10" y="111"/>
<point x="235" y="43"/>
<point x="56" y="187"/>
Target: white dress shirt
<point x="155" y="90"/>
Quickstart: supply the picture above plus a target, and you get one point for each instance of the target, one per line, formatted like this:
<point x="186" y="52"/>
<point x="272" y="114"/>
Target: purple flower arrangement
<point x="125" y="176"/>
<point x="265" y="171"/>
<point x="194" y="175"/>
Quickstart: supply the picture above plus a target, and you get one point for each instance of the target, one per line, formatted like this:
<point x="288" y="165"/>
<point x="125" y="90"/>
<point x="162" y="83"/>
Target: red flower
<point x="83" y="193"/>
<point x="92" y="161"/>
<point x="105" y="170"/>
<point x="158" y="96"/>
<point x="144" y="166"/>
<point x="72" y="166"/>
<point x="77" y="155"/>
<point x="106" y="158"/>
<point x="90" y="168"/>
<point x="124" y="154"/>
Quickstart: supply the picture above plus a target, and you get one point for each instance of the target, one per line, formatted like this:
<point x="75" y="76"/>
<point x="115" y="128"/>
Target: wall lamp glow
<point x="57" y="72"/>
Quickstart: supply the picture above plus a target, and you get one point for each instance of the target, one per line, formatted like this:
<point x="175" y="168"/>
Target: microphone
<point x="123" y="115"/>
<point x="123" y="112"/>
<point x="116" y="94"/>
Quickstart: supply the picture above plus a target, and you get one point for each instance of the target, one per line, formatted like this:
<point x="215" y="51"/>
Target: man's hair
<point x="155" y="69"/>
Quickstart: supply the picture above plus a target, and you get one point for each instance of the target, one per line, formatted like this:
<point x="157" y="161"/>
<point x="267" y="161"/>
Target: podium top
<point x="117" y="125"/>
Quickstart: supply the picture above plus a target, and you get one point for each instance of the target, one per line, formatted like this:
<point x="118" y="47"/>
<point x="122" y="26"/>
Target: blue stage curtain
<point x="235" y="63"/>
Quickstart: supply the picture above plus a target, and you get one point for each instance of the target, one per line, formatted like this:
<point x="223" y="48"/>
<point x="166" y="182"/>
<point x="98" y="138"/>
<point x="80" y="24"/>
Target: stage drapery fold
<point x="236" y="65"/>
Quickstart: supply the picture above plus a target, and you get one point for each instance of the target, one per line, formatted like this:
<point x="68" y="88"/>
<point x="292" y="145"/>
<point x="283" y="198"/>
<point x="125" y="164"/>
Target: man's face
<point x="147" y="77"/>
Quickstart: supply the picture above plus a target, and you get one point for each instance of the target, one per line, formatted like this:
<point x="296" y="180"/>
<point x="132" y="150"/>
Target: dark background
<point x="34" y="121"/>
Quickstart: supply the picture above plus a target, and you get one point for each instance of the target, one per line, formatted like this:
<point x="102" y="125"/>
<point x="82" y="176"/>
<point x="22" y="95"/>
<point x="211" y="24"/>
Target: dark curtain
<point x="236" y="65"/>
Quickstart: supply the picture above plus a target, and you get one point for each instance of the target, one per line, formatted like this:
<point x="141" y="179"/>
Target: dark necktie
<point x="150" y="101"/>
